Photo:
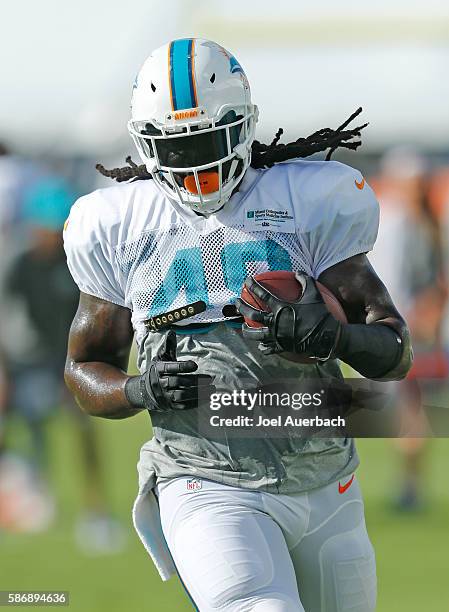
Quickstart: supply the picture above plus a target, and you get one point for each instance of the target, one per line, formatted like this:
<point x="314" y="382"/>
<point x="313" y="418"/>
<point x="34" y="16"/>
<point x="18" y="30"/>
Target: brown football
<point x="284" y="284"/>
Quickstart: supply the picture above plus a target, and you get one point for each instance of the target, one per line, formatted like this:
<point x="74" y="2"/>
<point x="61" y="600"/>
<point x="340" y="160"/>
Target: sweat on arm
<point x="376" y="340"/>
<point x="98" y="353"/>
<point x="97" y="358"/>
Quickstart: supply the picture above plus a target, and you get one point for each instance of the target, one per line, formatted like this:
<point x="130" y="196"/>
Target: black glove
<point x="305" y="326"/>
<point x="168" y="384"/>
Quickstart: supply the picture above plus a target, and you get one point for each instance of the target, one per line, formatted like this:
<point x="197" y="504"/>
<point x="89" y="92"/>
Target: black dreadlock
<point x="132" y="170"/>
<point x="265" y="156"/>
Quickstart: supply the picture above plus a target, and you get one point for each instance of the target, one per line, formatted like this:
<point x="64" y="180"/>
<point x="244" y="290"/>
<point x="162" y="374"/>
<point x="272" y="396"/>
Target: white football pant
<point x="242" y="550"/>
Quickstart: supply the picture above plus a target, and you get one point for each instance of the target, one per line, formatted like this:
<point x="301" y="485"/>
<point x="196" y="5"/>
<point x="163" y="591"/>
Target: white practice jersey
<point x="134" y="247"/>
<point x="131" y="245"/>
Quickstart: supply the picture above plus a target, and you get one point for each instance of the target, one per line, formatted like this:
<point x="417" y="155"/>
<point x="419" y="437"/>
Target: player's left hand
<point x="306" y="326"/>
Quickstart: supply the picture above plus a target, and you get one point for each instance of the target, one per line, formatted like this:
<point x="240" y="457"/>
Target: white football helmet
<point x="193" y="122"/>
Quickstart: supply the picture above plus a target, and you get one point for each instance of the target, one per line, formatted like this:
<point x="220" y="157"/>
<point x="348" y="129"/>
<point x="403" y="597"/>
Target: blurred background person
<point x="13" y="181"/>
<point x="37" y="281"/>
<point x="410" y="256"/>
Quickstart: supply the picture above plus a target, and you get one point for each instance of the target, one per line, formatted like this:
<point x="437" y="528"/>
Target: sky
<point x="68" y="67"/>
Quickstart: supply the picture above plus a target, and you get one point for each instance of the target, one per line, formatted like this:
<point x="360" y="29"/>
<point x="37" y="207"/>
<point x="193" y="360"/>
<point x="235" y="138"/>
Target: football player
<point x="249" y="524"/>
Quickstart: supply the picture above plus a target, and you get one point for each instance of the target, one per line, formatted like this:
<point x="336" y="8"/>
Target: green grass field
<point x="412" y="551"/>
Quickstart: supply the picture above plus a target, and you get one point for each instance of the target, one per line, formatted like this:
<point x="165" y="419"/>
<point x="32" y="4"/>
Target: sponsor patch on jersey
<point x="261" y="219"/>
<point x="194" y="484"/>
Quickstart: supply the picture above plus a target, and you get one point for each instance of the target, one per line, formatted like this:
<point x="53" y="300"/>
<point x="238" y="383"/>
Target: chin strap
<point x="234" y="164"/>
<point x="151" y="165"/>
<point x="241" y="150"/>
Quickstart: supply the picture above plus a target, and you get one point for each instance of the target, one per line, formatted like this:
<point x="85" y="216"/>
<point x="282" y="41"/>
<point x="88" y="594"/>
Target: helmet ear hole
<point x="212" y="78"/>
<point x="153" y="87"/>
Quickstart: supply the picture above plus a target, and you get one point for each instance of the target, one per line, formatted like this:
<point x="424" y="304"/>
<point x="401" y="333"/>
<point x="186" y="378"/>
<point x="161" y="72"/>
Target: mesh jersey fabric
<point x="132" y="246"/>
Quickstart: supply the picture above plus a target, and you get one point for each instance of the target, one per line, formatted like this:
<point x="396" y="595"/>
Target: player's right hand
<point x="168" y="384"/>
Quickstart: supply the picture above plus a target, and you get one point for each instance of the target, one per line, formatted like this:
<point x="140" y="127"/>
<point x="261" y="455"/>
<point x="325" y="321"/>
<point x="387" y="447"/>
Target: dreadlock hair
<point x="265" y="156"/>
<point x="131" y="171"/>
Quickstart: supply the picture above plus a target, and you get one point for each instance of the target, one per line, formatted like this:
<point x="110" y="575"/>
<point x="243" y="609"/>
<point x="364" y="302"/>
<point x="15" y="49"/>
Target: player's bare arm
<point x="97" y="358"/>
<point x="375" y="341"/>
<point x="363" y="296"/>
<point x="377" y="337"/>
<point x="98" y="353"/>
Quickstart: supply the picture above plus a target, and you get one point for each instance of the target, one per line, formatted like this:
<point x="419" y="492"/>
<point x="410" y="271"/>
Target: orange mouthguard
<point x="208" y="182"/>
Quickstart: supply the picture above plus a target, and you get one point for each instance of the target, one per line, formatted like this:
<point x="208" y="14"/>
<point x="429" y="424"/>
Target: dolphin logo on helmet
<point x="235" y="66"/>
